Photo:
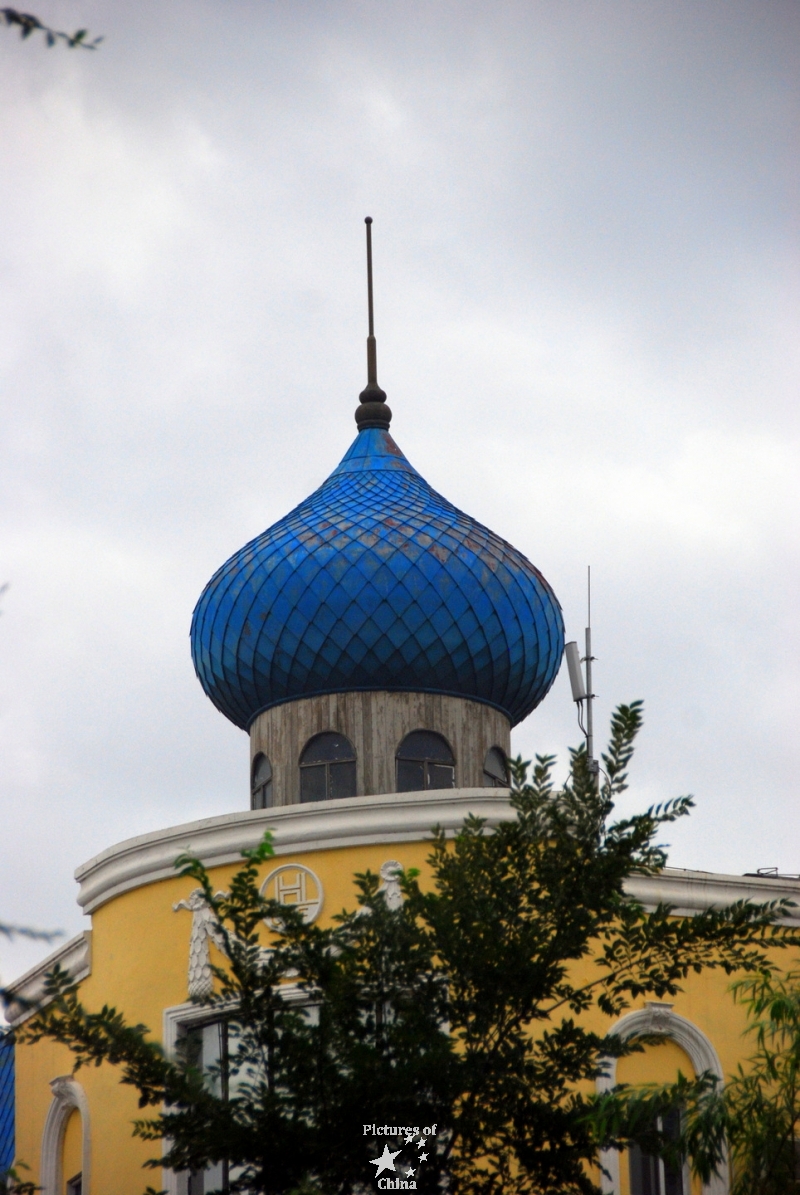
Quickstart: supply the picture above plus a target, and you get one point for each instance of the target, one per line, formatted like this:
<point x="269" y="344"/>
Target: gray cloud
<point x="586" y="257"/>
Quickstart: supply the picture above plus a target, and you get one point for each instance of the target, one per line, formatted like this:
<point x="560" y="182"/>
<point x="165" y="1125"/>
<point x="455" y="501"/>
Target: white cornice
<point x="695" y="891"/>
<point x="74" y="957"/>
<point x="393" y="817"/>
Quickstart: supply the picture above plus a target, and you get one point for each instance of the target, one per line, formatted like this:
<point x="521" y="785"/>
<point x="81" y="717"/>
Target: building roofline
<point x="357" y="821"/>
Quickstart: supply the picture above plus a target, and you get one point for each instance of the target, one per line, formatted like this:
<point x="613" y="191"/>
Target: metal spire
<point x="373" y="410"/>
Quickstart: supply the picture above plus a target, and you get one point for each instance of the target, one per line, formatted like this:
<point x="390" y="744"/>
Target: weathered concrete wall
<point x="375" y="723"/>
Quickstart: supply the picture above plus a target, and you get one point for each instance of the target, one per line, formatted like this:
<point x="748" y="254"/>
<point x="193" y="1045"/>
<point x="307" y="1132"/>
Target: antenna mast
<point x="592" y="763"/>
<point x="581" y="692"/>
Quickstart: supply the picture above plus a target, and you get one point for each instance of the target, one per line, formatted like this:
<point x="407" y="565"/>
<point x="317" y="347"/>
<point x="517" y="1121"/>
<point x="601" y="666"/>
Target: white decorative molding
<point x="696" y="891"/>
<point x="67" y="1096"/>
<point x="205" y="929"/>
<point x="657" y="1018"/>
<point x="390" y="888"/>
<point x="297" y="886"/>
<point x="74" y="957"/>
<point x="355" y="821"/>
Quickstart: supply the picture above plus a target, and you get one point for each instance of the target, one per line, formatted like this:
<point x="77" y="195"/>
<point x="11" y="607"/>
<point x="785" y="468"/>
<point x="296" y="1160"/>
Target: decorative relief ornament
<point x="63" y="1088"/>
<point x="390" y="888"/>
<point x="659" y="1017"/>
<point x="205" y="929"/>
<point x="292" y="884"/>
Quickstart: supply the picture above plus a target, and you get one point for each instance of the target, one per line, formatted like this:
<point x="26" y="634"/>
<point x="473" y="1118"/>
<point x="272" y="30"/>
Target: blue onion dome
<point x="376" y="582"/>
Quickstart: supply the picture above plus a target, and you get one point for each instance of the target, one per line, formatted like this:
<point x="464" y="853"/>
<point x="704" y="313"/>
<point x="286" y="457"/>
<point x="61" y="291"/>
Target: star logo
<point x="385" y="1161"/>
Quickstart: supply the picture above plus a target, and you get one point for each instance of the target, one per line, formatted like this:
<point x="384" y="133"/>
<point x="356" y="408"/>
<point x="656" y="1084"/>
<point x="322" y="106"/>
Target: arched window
<point x="424" y="760"/>
<point x="261" y="786"/>
<point x="495" y="769"/>
<point x="327" y="768"/>
<point x="659" y="1019"/>
<point x="66" y="1142"/>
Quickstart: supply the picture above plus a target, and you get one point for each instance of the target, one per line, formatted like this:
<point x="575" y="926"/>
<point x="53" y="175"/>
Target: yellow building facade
<point x="138" y="957"/>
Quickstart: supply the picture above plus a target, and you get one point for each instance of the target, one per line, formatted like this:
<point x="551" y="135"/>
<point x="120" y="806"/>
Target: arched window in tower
<point x="327" y="768"/>
<point x="424" y="760"/>
<point x="261" y="785"/>
<point x="495" y="769"/>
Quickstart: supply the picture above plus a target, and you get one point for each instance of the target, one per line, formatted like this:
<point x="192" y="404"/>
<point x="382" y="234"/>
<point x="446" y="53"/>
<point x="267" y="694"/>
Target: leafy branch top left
<point x="27" y="24"/>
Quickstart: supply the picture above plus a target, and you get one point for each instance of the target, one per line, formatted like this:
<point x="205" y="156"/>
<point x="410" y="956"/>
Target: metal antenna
<point x="373" y="411"/>
<point x="592" y="764"/>
<point x="581" y="692"/>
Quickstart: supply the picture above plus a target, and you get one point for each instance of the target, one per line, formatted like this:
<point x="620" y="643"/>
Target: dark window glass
<point x="424" y="760"/>
<point x="192" y="1047"/>
<point x="314" y="783"/>
<point x="410" y="776"/>
<point x="328" y="768"/>
<point x="673" y="1175"/>
<point x="261" y="787"/>
<point x="644" y="1172"/>
<point x="440" y="775"/>
<point x="342" y="779"/>
<point x="650" y="1175"/>
<point x="495" y="769"/>
<point x="75" y="1185"/>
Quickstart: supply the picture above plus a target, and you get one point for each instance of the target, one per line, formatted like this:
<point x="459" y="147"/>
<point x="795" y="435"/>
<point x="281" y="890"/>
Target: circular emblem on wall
<point x="292" y="884"/>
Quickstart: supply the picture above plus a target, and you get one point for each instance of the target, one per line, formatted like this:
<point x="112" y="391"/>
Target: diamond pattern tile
<point x="376" y="582"/>
<point x="6" y="1102"/>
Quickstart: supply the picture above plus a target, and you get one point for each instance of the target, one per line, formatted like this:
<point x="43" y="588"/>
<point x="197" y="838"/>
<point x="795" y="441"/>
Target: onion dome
<point x="376" y="582"/>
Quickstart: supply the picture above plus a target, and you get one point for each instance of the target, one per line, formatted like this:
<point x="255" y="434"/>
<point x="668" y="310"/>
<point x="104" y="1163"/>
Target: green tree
<point x="13" y="1183"/>
<point x="24" y="931"/>
<point x="27" y="24"/>
<point x="460" y="1006"/>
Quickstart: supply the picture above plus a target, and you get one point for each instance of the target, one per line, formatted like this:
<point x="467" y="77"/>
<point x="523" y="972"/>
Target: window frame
<point x="426" y="761"/>
<point x="658" y="1018"/>
<point x="179" y="1019"/>
<point x="267" y="786"/>
<point x="494" y="781"/>
<point x="327" y="764"/>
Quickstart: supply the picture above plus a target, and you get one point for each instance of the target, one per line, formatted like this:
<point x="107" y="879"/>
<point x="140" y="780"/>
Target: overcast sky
<point x="586" y="256"/>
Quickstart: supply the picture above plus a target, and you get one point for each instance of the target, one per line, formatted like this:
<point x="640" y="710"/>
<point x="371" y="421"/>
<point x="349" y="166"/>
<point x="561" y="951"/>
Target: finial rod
<point x="372" y="348"/>
<point x="373" y="411"/>
<point x="368" y="222"/>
